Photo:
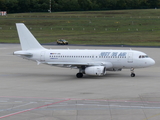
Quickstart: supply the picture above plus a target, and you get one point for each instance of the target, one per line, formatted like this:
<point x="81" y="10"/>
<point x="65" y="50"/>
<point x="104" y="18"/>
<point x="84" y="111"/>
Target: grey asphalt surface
<point x="39" y="92"/>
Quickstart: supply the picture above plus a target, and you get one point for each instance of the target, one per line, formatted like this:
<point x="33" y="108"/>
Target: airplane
<point x="89" y="62"/>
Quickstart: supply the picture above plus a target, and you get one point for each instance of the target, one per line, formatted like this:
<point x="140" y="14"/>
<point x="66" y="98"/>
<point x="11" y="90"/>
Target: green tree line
<point x="18" y="6"/>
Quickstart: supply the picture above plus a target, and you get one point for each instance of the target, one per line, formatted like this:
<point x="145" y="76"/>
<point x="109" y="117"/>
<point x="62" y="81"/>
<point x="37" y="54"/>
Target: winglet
<point x="27" y="40"/>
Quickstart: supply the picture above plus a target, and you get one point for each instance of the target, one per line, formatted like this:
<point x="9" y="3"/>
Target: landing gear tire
<point x="132" y="74"/>
<point x="79" y="75"/>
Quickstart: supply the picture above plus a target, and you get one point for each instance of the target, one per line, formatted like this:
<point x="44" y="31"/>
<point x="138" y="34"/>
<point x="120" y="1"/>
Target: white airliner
<point x="89" y="62"/>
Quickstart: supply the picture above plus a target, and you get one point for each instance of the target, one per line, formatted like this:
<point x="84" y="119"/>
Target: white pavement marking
<point x="19" y="112"/>
<point x="17" y="106"/>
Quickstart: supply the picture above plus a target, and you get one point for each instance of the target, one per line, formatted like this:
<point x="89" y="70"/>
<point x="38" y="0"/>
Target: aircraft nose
<point x="151" y="62"/>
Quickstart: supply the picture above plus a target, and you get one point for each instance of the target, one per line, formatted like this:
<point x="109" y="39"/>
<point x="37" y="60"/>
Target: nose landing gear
<point x="132" y="72"/>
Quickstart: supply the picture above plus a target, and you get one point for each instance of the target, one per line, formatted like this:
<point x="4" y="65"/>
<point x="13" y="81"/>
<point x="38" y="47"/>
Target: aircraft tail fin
<point x="27" y="40"/>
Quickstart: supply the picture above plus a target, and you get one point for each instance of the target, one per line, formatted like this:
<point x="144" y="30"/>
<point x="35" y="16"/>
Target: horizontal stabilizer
<point x="23" y="53"/>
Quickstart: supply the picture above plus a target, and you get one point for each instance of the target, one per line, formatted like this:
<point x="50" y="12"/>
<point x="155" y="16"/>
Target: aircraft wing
<point x="66" y="63"/>
<point x="76" y="64"/>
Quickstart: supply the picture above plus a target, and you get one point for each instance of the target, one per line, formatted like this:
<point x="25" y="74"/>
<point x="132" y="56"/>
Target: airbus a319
<point x="89" y="62"/>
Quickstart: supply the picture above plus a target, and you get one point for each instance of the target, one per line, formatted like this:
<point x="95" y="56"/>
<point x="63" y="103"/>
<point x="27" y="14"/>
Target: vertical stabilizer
<point x="27" y="40"/>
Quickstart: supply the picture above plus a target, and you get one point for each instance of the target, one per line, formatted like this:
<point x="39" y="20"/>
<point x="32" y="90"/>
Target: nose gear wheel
<point x="132" y="72"/>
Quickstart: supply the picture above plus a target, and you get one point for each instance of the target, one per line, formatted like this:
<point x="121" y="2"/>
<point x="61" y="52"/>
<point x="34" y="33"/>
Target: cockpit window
<point x="143" y="56"/>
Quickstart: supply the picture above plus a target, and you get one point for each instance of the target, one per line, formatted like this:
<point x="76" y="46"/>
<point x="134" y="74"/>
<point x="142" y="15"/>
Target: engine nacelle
<point x="95" y="70"/>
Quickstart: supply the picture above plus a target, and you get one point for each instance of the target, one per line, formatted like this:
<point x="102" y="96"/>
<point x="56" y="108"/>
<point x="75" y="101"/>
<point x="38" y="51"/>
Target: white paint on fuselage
<point x="118" y="58"/>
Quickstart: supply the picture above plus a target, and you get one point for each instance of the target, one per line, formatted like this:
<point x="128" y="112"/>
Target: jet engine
<point x="95" y="70"/>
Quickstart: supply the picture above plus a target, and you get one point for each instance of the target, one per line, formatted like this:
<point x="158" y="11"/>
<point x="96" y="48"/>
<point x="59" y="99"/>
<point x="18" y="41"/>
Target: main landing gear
<point x="79" y="75"/>
<point x="81" y="72"/>
<point x="132" y="72"/>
